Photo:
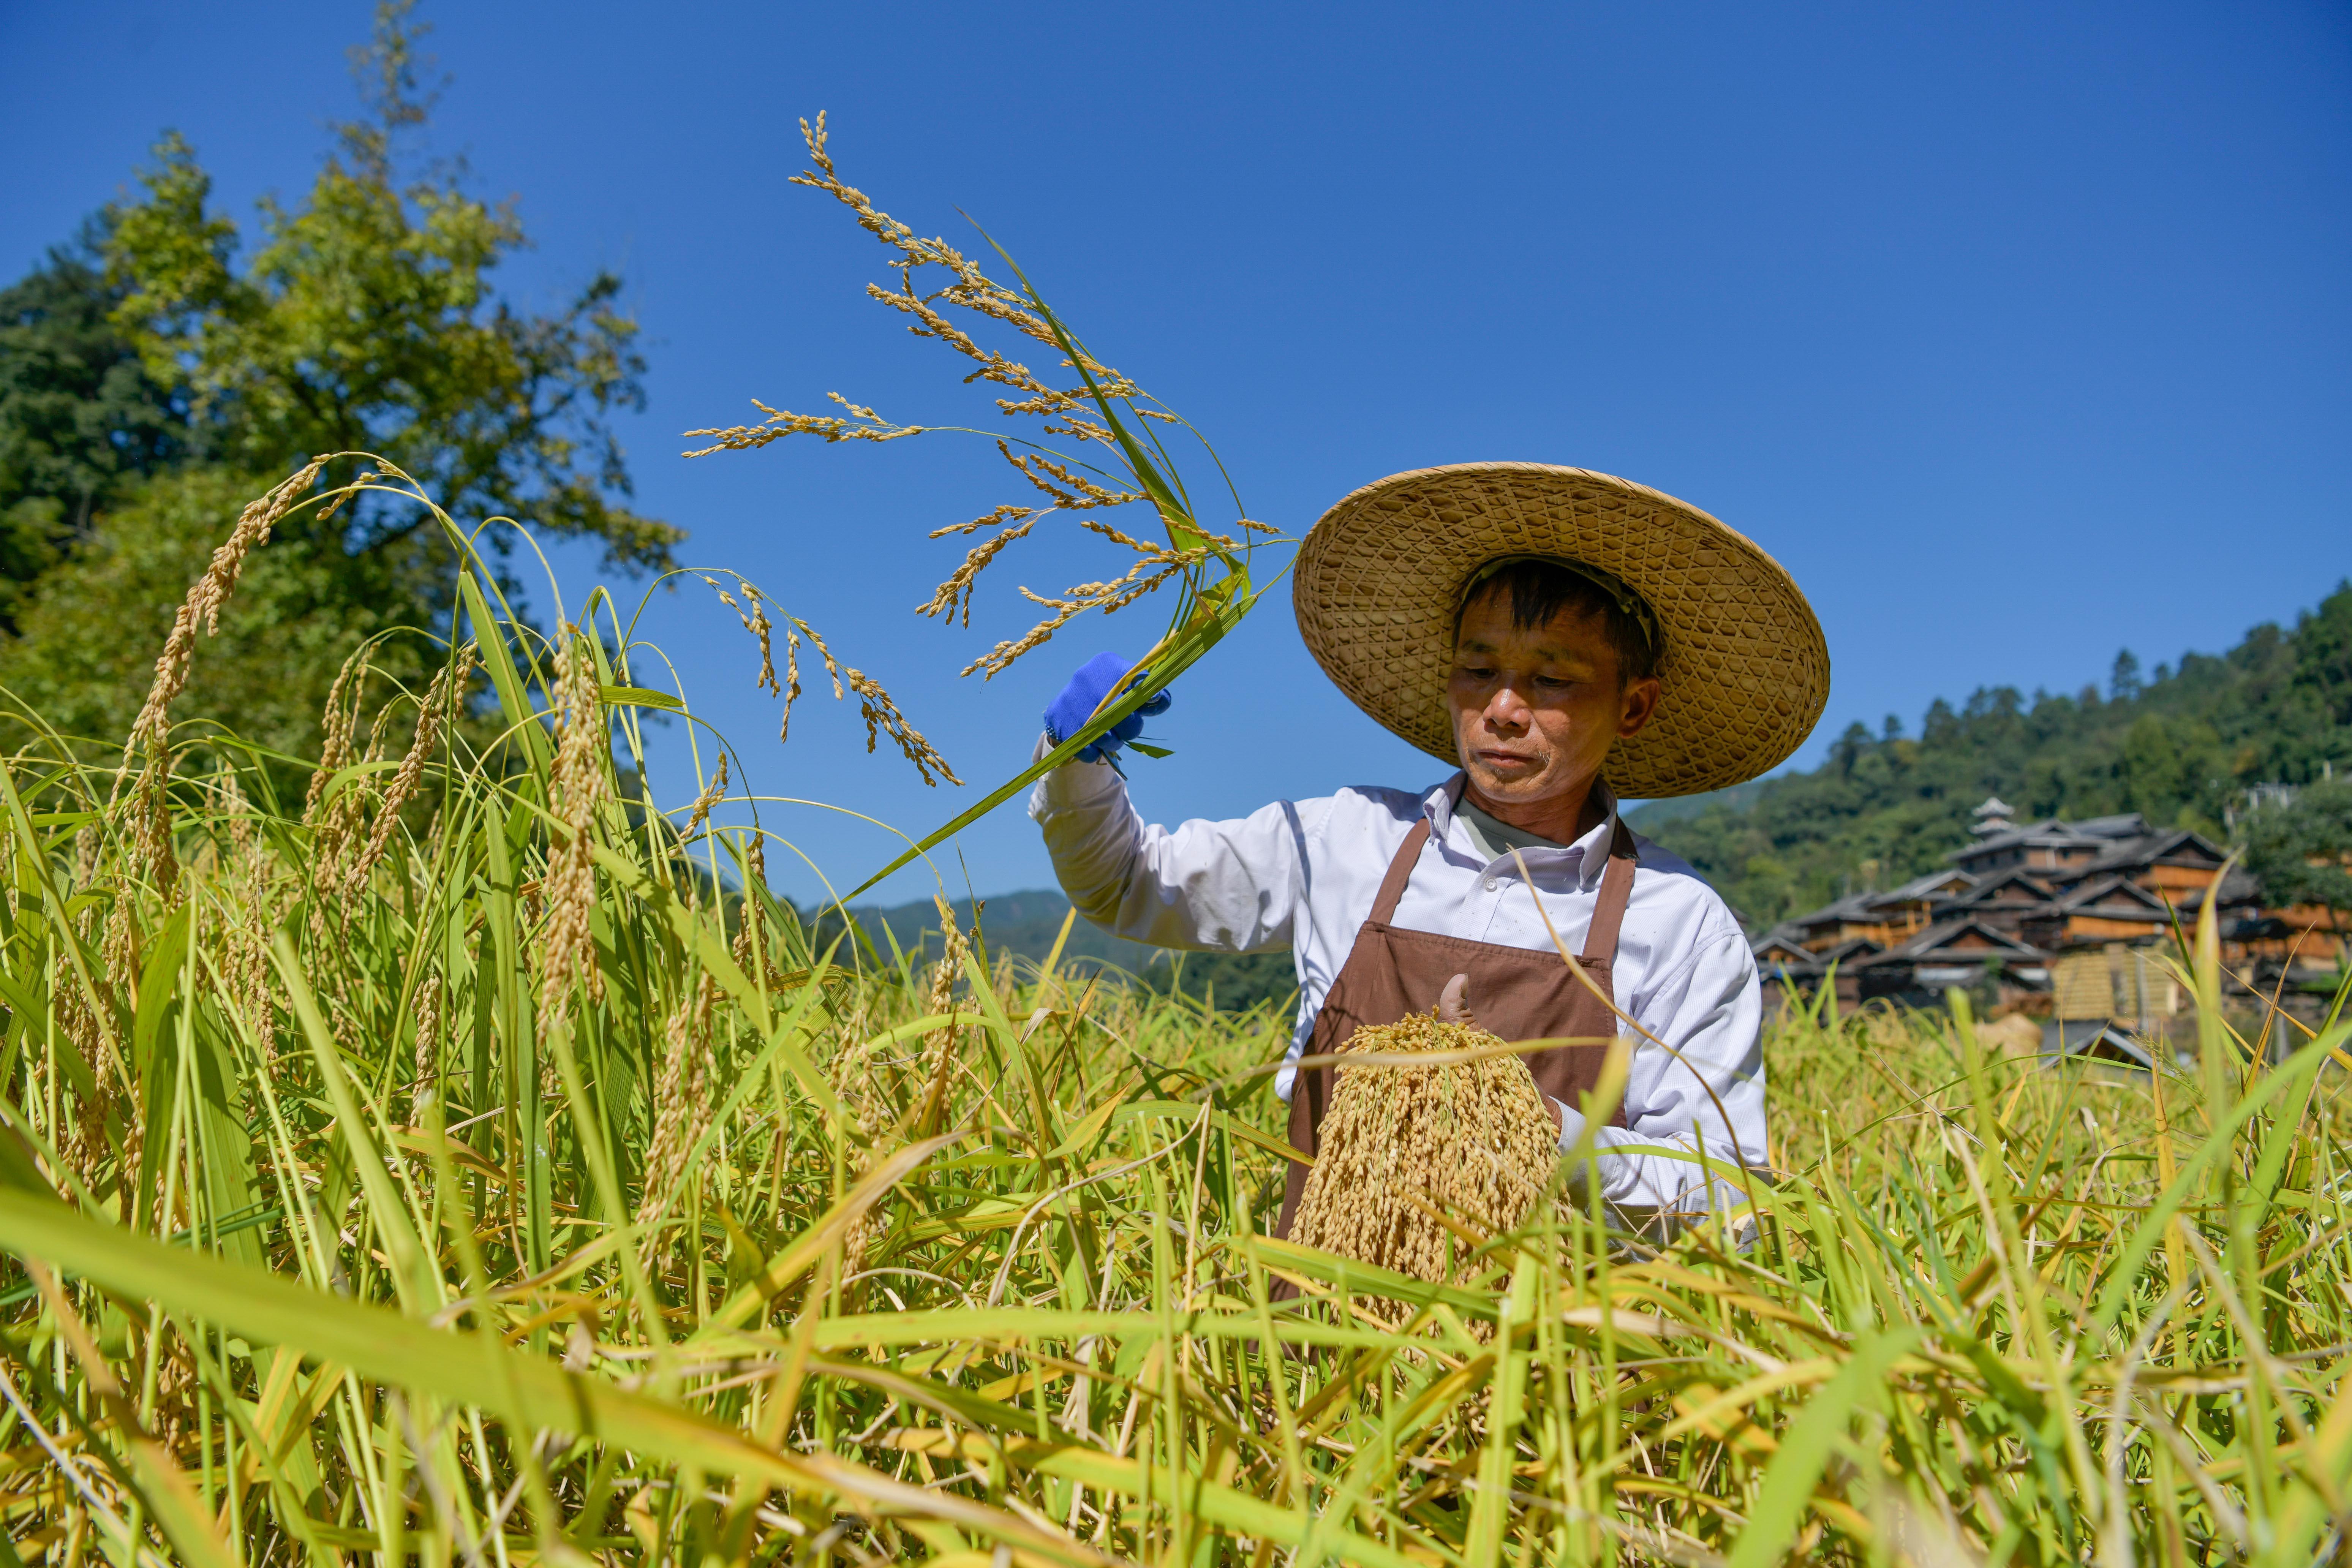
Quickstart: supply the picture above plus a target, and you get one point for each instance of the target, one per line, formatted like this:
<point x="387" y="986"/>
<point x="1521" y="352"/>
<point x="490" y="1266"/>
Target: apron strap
<point x="1400" y="872"/>
<point x="1408" y="856"/>
<point x="1609" y="909"/>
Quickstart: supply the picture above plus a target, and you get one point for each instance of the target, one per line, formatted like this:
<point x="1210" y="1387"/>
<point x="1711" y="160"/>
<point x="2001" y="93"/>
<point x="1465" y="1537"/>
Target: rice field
<point x="425" y="1151"/>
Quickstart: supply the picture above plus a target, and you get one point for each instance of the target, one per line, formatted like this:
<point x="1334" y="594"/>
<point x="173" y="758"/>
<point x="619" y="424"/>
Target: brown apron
<point x="1516" y="992"/>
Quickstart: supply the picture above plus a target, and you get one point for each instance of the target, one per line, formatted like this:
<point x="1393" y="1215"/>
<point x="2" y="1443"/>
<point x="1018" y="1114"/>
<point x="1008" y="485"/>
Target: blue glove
<point x="1077" y="704"/>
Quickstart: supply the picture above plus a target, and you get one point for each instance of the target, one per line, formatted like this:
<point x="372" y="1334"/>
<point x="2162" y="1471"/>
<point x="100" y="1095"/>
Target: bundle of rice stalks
<point x="1468" y="1139"/>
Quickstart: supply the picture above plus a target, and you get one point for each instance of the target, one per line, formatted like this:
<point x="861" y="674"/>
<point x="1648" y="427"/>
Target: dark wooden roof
<point x="2241" y="886"/>
<point x="2119" y="894"/>
<point x="2050" y="834"/>
<point x="2127" y="824"/>
<point x="1934" y="885"/>
<point x="1860" y="907"/>
<point x="2179" y="846"/>
<point x="1847" y="952"/>
<point x="1965" y="939"/>
<point x="2047" y="833"/>
<point x="2017" y="885"/>
<point x="1853" y="907"/>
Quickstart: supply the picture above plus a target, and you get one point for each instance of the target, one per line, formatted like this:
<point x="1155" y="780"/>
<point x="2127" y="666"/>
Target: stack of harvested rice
<point x="1471" y="1140"/>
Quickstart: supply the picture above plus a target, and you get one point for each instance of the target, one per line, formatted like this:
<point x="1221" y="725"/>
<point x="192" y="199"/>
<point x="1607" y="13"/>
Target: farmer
<point x="1562" y="637"/>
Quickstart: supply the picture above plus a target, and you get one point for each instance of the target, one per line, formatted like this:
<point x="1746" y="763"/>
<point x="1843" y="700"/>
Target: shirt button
<point x="1490" y="884"/>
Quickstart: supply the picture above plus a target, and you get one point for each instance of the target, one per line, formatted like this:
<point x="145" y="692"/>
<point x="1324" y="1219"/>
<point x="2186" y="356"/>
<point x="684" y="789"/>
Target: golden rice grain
<point x="682" y="1109"/>
<point x="1469" y="1139"/>
<point x="583" y="747"/>
<point x="1058" y="479"/>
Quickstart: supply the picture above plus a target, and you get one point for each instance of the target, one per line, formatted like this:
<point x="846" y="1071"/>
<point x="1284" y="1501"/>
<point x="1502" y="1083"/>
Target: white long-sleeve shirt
<point x="1303" y="875"/>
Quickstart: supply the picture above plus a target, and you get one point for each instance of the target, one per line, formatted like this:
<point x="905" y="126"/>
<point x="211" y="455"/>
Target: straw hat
<point x="1744" y="670"/>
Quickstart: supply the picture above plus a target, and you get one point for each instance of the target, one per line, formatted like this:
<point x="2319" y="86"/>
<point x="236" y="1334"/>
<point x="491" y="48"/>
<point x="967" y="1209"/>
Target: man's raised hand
<point x="1068" y="712"/>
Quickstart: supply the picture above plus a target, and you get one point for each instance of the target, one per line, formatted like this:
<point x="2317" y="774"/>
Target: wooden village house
<point x="2072" y="922"/>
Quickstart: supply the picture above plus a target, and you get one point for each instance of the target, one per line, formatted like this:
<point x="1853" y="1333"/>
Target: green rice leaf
<point x="472" y="1370"/>
<point x="1796" y="1468"/>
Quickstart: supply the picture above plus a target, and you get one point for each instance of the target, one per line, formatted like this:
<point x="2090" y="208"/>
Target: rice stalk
<point x="583" y="755"/>
<point x="1118" y="461"/>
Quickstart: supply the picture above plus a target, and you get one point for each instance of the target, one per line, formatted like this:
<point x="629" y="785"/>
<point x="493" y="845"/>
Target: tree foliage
<point x="81" y="419"/>
<point x="2302" y="850"/>
<point x="86" y="650"/>
<point x="2180" y="745"/>
<point x="364" y="318"/>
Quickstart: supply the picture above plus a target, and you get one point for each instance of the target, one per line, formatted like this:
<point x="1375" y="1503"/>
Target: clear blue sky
<point x="2018" y="333"/>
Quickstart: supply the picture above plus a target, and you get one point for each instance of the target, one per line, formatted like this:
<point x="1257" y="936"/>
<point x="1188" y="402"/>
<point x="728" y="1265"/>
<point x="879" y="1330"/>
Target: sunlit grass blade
<point x="464" y="1368"/>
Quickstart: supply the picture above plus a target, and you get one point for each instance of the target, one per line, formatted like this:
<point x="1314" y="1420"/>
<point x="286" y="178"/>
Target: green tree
<point x="363" y="320"/>
<point x="2322" y="654"/>
<point x="86" y="650"/>
<point x="366" y="321"/>
<point x="2302" y="850"/>
<point x="2166" y="766"/>
<point x="81" y="420"/>
<point x="2124" y="683"/>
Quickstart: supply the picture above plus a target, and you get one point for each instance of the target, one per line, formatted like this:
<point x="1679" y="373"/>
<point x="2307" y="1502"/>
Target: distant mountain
<point x="2182" y="746"/>
<point x="1026" y="924"/>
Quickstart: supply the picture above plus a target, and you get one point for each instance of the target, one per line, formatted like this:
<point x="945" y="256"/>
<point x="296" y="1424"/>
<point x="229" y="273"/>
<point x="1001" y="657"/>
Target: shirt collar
<point x="1589" y="853"/>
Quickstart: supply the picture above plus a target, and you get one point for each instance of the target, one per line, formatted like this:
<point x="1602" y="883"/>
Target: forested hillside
<point x="2181" y="744"/>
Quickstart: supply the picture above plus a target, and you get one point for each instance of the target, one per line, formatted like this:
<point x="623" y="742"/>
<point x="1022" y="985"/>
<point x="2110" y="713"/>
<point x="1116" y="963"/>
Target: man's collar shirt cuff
<point x="1571" y="1125"/>
<point x="1073" y="784"/>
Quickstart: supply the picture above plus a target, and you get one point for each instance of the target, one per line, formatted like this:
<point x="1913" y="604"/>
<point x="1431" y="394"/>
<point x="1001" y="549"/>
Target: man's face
<point x="1535" y="711"/>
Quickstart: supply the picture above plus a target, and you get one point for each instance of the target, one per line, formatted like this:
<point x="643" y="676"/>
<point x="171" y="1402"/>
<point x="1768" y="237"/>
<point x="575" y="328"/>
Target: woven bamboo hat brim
<point x="1743" y="671"/>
